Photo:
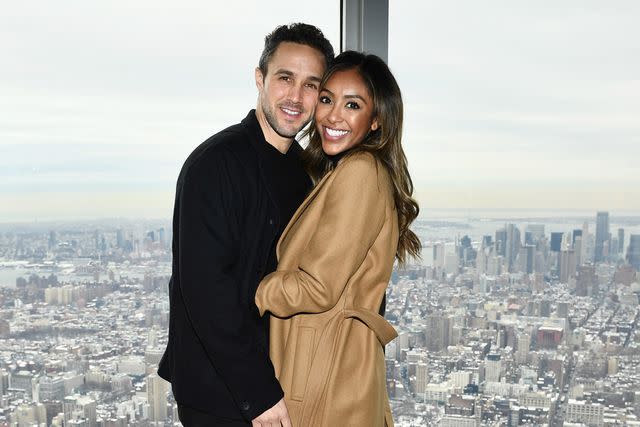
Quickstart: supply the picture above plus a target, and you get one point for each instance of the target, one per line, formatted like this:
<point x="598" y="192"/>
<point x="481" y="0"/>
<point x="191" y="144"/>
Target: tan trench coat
<point x="335" y="260"/>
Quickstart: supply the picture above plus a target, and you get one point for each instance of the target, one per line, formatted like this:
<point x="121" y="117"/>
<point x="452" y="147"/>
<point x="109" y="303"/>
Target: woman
<point x="337" y="253"/>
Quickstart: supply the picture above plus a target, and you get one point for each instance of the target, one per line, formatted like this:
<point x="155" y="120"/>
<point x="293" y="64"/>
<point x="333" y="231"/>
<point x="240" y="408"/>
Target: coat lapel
<point x="301" y="209"/>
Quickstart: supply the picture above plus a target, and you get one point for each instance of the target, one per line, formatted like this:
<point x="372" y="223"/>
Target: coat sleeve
<point x="217" y="307"/>
<point x="351" y="219"/>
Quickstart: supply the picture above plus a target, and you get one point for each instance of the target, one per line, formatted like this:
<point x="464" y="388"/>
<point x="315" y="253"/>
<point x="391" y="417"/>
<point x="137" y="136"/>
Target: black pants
<point x="190" y="417"/>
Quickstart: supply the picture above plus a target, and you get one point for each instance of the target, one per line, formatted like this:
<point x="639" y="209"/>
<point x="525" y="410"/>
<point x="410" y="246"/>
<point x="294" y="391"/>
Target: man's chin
<point x="288" y="133"/>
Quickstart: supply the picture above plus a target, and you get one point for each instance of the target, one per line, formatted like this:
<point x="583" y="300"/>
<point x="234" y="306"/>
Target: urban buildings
<point x="501" y="323"/>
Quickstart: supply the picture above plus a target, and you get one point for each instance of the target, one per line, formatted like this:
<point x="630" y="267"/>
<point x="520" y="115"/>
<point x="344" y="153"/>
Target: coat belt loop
<point x="383" y="329"/>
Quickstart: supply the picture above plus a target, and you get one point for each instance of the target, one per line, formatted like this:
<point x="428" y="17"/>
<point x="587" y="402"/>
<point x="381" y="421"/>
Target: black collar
<point x="257" y="136"/>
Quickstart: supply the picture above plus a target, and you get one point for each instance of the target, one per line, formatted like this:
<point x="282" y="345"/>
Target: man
<point x="235" y="194"/>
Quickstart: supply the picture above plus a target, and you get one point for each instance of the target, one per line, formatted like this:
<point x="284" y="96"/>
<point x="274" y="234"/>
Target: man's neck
<point x="280" y="143"/>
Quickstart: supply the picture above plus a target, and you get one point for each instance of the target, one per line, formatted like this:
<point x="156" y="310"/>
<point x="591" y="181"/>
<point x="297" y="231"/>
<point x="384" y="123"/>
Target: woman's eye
<point x="353" y="105"/>
<point x="324" y="100"/>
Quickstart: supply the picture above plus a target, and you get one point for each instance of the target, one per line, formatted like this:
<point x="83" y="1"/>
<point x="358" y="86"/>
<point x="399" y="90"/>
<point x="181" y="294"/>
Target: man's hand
<point x="275" y="417"/>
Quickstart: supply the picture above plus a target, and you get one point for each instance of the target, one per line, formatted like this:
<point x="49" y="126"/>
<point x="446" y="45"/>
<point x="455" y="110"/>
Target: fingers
<point x="277" y="416"/>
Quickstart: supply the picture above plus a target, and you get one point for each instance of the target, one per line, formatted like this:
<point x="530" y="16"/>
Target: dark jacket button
<point x="270" y="221"/>
<point x="245" y="406"/>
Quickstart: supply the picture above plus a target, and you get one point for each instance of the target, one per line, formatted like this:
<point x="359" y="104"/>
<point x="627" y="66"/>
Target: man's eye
<point x="324" y="100"/>
<point x="353" y="105"/>
<point x="312" y="86"/>
<point x="285" y="78"/>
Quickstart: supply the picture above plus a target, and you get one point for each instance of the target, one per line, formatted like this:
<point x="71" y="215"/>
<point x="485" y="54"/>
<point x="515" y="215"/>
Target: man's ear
<point x="259" y="79"/>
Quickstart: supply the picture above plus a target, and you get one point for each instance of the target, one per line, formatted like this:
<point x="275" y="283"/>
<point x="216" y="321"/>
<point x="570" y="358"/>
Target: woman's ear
<point x="374" y="124"/>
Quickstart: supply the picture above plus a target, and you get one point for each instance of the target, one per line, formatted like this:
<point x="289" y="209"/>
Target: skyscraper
<point x="621" y="240"/>
<point x="556" y="241"/>
<point x="587" y="283"/>
<point x="493" y="367"/>
<point x="633" y="251"/>
<point x="513" y="245"/>
<point x="501" y="241"/>
<point x="120" y="238"/>
<point x="576" y="233"/>
<point x="567" y="265"/>
<point x="536" y="230"/>
<point x="157" y="397"/>
<point x="602" y="235"/>
<point x="438" y="332"/>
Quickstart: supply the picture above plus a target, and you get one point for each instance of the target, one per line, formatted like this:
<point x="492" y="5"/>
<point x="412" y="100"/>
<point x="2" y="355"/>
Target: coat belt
<point x="383" y="329"/>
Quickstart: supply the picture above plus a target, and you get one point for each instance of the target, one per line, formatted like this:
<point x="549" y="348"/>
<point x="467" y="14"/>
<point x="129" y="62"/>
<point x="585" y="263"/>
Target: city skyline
<point x="510" y="322"/>
<point x="519" y="107"/>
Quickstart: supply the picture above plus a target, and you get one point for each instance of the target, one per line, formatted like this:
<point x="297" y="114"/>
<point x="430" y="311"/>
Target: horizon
<point x="522" y="214"/>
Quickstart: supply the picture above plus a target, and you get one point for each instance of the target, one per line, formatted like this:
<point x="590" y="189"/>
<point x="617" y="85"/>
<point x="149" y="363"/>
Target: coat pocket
<point x="302" y="361"/>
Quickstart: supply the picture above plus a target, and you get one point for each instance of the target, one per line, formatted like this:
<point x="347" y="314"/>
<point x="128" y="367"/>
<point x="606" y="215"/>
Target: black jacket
<point x="225" y="224"/>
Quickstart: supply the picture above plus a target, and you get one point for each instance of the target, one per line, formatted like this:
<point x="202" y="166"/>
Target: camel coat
<point x="326" y="336"/>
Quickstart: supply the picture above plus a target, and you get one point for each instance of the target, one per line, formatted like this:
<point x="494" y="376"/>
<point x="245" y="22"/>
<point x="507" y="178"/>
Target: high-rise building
<point x="402" y="343"/>
<point x="633" y="251"/>
<point x="621" y="240"/>
<point x="522" y="347"/>
<point x="422" y="377"/>
<point x="587" y="281"/>
<point x="562" y="309"/>
<point x="23" y="380"/>
<point x="567" y="265"/>
<point x="53" y="240"/>
<point x="536" y="230"/>
<point x="577" y="248"/>
<point x="556" y="241"/>
<point x="162" y="237"/>
<point x="120" y="238"/>
<point x="527" y="258"/>
<point x="575" y="234"/>
<point x="157" y="397"/>
<point x="438" y="255"/>
<point x="51" y="388"/>
<point x="438" y="333"/>
<point x="585" y="412"/>
<point x="460" y="379"/>
<point x="493" y="367"/>
<point x="501" y="242"/>
<point x="513" y="245"/>
<point x="602" y="236"/>
<point x="79" y="409"/>
<point x="585" y="242"/>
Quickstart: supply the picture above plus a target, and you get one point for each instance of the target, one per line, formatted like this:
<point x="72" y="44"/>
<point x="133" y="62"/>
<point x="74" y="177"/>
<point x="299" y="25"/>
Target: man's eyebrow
<point x="291" y="73"/>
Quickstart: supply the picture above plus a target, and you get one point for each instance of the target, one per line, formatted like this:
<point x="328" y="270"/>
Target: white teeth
<point x="291" y="112"/>
<point x="336" y="132"/>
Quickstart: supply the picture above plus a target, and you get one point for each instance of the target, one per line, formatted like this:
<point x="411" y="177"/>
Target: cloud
<point x="519" y="104"/>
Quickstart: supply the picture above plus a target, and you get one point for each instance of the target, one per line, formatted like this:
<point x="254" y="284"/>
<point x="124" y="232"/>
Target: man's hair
<point x="301" y="33"/>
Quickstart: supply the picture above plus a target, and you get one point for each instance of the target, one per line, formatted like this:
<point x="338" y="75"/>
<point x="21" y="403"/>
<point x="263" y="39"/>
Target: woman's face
<point x="344" y="114"/>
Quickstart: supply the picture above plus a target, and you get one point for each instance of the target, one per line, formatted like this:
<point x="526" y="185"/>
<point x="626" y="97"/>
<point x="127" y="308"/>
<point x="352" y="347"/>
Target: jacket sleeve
<point x="351" y="219"/>
<point x="217" y="306"/>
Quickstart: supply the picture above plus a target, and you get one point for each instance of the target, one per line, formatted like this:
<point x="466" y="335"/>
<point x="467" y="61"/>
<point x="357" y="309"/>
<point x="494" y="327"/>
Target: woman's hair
<point x="384" y="143"/>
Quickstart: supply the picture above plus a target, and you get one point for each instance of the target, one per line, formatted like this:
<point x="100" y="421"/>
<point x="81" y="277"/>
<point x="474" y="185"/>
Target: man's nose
<point x="295" y="93"/>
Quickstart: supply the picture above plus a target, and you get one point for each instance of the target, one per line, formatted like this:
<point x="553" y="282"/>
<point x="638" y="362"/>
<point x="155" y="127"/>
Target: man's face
<point x="289" y="91"/>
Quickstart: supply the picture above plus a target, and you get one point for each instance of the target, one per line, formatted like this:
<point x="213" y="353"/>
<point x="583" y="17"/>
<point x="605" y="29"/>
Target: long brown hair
<point x="384" y="143"/>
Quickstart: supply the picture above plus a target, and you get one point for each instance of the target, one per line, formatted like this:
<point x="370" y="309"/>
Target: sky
<point x="508" y="105"/>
